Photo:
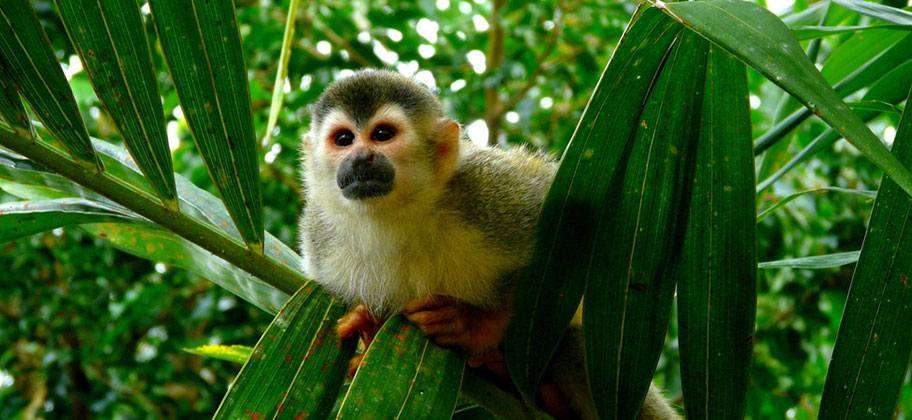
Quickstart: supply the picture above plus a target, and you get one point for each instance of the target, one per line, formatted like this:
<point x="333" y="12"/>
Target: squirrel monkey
<point x="403" y="214"/>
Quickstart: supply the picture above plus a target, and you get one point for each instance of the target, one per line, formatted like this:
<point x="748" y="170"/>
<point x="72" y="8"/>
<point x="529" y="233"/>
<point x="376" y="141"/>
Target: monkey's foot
<point x="476" y="330"/>
<point x="359" y="321"/>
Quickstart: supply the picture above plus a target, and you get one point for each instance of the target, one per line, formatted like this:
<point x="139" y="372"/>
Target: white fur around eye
<point x="390" y="113"/>
<point x="333" y="121"/>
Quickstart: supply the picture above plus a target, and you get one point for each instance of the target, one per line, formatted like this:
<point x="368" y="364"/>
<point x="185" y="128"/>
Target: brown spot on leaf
<point x="253" y="415"/>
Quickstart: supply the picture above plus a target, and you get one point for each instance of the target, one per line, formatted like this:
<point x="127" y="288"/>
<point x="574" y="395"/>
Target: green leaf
<point x="816" y="262"/>
<point x="773" y="158"/>
<point x="861" y="48"/>
<point x="874" y="341"/>
<point x="232" y="353"/>
<point x="24" y="218"/>
<point x="786" y="200"/>
<point x="880" y="107"/>
<point x="29" y="61"/>
<point x="775" y="54"/>
<point x="10" y="104"/>
<point x="717" y="277"/>
<point x="110" y="39"/>
<point x="405" y="376"/>
<point x="474" y="413"/>
<point x="549" y="291"/>
<point x="298" y="365"/>
<point x="858" y="63"/>
<point x="18" y="169"/>
<point x="194" y="201"/>
<point x="812" y="15"/>
<point x="156" y="244"/>
<point x="32" y="192"/>
<point x="630" y="289"/>
<point x="812" y="32"/>
<point x="877" y="11"/>
<point x="863" y="74"/>
<point x="888" y="89"/>
<point x="203" y="49"/>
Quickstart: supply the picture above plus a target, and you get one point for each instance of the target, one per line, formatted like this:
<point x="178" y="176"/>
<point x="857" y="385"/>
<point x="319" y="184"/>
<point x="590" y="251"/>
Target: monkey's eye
<point x="344" y="138"/>
<point x="383" y="132"/>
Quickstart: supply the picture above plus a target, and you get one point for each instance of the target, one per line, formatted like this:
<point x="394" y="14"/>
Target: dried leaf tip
<point x="661" y="5"/>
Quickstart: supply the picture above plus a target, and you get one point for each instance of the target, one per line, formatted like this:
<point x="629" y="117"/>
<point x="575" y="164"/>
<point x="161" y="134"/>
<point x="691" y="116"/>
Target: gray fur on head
<point x="363" y="93"/>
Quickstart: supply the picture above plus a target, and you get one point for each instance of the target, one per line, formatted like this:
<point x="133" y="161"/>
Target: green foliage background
<point x="90" y="332"/>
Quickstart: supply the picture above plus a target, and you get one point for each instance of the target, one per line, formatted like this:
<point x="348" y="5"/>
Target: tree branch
<point x="493" y="59"/>
<point x="333" y="37"/>
<point x="495" y="109"/>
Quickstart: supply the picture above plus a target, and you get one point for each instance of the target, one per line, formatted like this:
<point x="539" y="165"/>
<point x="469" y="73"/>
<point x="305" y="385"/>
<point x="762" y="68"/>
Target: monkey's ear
<point x="306" y="141"/>
<point x="447" y="147"/>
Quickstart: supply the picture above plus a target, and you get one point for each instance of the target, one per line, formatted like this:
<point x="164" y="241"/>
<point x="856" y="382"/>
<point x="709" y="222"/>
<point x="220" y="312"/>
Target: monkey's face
<point x="387" y="159"/>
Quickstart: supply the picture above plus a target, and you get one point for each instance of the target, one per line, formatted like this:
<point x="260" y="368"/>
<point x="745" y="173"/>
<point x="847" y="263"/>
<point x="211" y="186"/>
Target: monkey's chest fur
<point x="386" y="264"/>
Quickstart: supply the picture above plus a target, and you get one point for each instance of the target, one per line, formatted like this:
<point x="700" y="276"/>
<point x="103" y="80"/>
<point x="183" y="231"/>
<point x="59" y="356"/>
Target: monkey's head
<point x="378" y="138"/>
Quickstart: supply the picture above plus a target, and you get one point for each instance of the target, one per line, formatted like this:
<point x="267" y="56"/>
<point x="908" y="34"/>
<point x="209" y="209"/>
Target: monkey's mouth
<point x="359" y="190"/>
<point x="366" y="182"/>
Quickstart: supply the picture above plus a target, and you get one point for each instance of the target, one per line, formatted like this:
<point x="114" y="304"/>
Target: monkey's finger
<point x="354" y="363"/>
<point x="426" y="303"/>
<point x="439" y="315"/>
<point x="347" y="327"/>
<point x="449" y="339"/>
<point x="498" y="368"/>
<point x="358" y="320"/>
<point x="453" y="327"/>
<point x="486" y="358"/>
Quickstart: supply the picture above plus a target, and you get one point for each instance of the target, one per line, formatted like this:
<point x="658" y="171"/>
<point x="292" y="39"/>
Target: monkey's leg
<point x="359" y="321"/>
<point x="476" y="330"/>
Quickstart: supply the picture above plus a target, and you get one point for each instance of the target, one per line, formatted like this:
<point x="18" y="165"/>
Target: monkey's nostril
<point x="370" y="157"/>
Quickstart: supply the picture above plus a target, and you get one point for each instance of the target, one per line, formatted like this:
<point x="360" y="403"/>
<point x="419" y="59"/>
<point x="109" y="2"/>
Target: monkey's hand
<point x="476" y="330"/>
<point x="359" y="321"/>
